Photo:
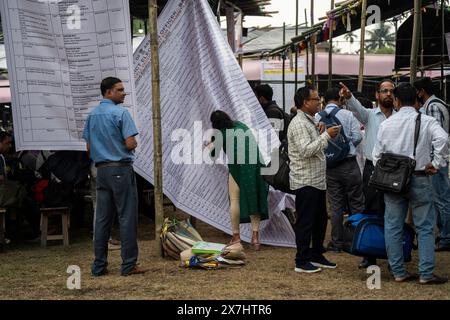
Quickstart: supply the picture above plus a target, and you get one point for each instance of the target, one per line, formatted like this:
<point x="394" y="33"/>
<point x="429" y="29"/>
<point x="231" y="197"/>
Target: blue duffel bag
<point x="364" y="236"/>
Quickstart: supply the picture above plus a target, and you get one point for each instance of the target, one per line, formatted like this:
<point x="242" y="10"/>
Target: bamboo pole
<point x="156" y="108"/>
<point x="330" y="53"/>
<point x="307" y="49"/>
<point x="284" y="68"/>
<point x="296" y="47"/>
<point x="361" y="48"/>
<point x="443" y="91"/>
<point x="313" y="49"/>
<point x="415" y="39"/>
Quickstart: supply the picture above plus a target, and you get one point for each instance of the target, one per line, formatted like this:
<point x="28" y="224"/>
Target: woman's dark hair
<point x="108" y="84"/>
<point x="220" y="120"/>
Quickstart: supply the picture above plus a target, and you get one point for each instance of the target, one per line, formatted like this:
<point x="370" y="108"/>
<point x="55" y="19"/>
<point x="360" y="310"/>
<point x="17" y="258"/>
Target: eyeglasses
<point x="385" y="91"/>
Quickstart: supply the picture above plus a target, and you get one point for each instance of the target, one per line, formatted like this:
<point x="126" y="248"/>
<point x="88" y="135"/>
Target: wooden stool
<point x="2" y="229"/>
<point x="64" y="212"/>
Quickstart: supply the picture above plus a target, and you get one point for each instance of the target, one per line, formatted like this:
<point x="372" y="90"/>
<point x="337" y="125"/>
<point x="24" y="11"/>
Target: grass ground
<point x="30" y="272"/>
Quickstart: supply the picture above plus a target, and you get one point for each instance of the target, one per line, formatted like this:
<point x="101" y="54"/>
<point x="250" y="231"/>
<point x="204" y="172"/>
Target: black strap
<point x="417" y="131"/>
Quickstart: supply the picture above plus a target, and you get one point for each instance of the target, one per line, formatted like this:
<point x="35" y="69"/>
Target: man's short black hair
<point x="108" y="83"/>
<point x="4" y="135"/>
<point x="406" y="94"/>
<point x="383" y="81"/>
<point x="362" y="98"/>
<point x="264" y="90"/>
<point x="303" y="94"/>
<point x="332" y="94"/>
<point x="426" y="84"/>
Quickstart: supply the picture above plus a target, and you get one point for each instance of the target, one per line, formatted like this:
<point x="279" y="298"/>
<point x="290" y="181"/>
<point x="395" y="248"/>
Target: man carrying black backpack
<point x="344" y="180"/>
<point x="278" y="118"/>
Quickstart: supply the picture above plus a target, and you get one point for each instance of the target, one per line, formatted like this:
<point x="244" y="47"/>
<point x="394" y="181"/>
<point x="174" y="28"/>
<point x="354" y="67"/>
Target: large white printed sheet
<point x="199" y="74"/>
<point x="58" y="52"/>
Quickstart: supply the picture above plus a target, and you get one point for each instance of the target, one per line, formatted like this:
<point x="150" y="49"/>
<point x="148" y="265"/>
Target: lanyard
<point x="312" y="122"/>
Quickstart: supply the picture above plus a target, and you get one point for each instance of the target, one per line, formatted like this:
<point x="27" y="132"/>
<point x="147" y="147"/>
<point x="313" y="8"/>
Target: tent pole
<point x="361" y="48"/>
<point x="313" y="49"/>
<point x="443" y="91"/>
<point x="296" y="51"/>
<point x="307" y="49"/>
<point x="156" y="109"/>
<point x="330" y="53"/>
<point x="283" y="56"/>
<point x="415" y="39"/>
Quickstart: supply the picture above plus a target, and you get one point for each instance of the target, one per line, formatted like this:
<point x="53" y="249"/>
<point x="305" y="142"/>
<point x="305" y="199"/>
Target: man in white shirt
<point x="396" y="135"/>
<point x="434" y="107"/>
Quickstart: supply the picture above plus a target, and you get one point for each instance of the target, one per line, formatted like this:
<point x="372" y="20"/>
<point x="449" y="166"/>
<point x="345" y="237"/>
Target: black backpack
<point x="280" y="180"/>
<point x="286" y="121"/>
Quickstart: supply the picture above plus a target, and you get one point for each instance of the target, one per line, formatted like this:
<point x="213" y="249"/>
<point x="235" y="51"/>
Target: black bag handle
<point x="417" y="131"/>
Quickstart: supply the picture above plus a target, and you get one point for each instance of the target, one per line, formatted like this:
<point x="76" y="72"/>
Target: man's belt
<point x="114" y="164"/>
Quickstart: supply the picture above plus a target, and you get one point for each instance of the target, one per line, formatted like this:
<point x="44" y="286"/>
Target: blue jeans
<point x="116" y="191"/>
<point x="424" y="217"/>
<point x="441" y="185"/>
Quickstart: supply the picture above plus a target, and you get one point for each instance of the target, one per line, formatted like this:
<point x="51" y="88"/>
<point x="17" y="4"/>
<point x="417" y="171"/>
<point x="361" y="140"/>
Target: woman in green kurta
<point x="248" y="190"/>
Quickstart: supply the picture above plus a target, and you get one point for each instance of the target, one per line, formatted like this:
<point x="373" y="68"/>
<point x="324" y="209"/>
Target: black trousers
<point x="311" y="225"/>
<point x="374" y="199"/>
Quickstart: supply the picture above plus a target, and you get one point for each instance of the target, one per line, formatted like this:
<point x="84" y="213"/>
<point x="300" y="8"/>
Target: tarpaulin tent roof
<point x="352" y="8"/>
<point x="139" y="8"/>
<point x="432" y="40"/>
<point x="376" y="65"/>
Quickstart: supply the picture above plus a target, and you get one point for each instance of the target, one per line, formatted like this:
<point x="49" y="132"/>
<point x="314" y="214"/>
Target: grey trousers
<point x="116" y="191"/>
<point x="344" y="191"/>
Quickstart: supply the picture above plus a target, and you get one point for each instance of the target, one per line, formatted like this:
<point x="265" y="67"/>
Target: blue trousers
<point x="424" y="217"/>
<point x="441" y="185"/>
<point x="116" y="188"/>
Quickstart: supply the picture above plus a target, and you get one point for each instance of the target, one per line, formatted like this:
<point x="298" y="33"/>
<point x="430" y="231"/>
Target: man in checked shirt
<point x="308" y="179"/>
<point x="434" y="107"/>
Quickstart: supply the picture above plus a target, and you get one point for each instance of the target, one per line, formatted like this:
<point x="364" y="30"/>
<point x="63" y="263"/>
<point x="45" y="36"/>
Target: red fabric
<point x="38" y="190"/>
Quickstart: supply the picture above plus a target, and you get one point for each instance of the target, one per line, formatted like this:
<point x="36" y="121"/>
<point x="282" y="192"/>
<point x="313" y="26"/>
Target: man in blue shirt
<point x="110" y="137"/>
<point x="372" y="119"/>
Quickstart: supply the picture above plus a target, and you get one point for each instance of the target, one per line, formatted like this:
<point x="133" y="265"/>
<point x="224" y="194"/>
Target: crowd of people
<point x="325" y="136"/>
<point x="334" y="143"/>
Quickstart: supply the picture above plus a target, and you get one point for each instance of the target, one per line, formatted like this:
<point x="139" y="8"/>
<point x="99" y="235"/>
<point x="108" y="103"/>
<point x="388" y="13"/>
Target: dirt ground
<point x="30" y="272"/>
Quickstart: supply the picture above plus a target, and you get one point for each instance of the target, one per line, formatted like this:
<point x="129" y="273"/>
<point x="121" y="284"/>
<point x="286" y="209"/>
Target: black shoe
<point x="103" y="273"/>
<point x="367" y="262"/>
<point x="322" y="262"/>
<point x="442" y="247"/>
<point x="307" y="268"/>
<point x="334" y="248"/>
<point x="434" y="280"/>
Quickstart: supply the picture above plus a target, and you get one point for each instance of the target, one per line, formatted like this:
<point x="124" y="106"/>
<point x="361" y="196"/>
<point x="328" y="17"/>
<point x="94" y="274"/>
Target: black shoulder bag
<point x="393" y="171"/>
